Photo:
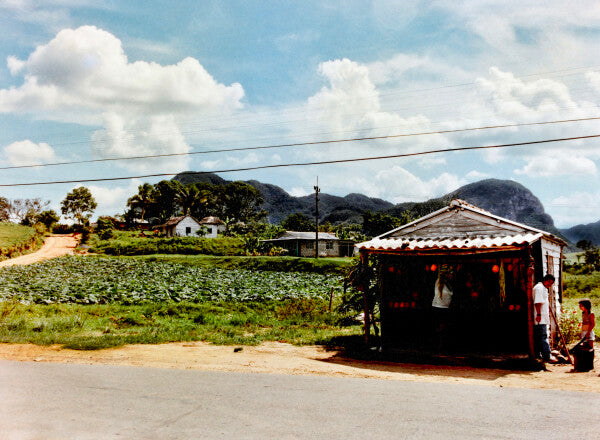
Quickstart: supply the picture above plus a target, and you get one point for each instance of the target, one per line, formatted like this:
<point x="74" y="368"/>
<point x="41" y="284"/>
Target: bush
<point x="582" y="284"/>
<point x="63" y="229"/>
<point x="570" y="325"/>
<point x="105" y="228"/>
<point x="123" y="245"/>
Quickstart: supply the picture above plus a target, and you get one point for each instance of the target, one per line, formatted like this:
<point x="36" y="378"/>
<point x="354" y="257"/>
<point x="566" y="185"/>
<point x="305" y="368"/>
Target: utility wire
<point x="393" y="156"/>
<point x="298" y="144"/>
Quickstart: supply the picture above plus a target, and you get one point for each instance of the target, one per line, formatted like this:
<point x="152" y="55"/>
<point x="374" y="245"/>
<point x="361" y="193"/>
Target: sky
<point x="85" y="80"/>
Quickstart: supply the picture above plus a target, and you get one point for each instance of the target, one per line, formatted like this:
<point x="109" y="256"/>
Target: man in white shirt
<point x="541" y="317"/>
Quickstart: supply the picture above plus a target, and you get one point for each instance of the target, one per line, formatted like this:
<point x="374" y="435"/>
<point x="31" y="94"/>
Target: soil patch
<point x="55" y="245"/>
<point x="279" y="358"/>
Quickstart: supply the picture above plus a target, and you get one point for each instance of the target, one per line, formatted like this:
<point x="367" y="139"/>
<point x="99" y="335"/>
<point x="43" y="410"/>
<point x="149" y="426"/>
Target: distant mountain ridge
<point x="505" y="198"/>
<point x="590" y="232"/>
<point x="279" y="204"/>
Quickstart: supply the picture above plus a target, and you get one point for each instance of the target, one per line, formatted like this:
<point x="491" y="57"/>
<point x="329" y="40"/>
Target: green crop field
<point x="97" y="280"/>
<point x="97" y="302"/>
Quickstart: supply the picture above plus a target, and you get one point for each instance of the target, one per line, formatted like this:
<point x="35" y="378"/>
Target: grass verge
<point x="17" y="240"/>
<point x="91" y="327"/>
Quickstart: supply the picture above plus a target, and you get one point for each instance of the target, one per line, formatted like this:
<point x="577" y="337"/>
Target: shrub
<point x="105" y="228"/>
<point x="570" y="325"/>
<point x="124" y="245"/>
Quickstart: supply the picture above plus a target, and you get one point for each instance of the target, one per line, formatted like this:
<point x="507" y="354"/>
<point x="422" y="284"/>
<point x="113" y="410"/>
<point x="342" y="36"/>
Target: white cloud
<point x="476" y="175"/>
<point x="298" y="191"/>
<point x="395" y="184"/>
<point x="517" y="99"/>
<point x="399" y="185"/>
<point x="29" y="153"/>
<point x="87" y="68"/>
<point x="14" y="65"/>
<point x="152" y="135"/>
<point x="248" y="159"/>
<point x="574" y="209"/>
<point x="113" y="200"/>
<point x="432" y="161"/>
<point x="83" y="76"/>
<point x="350" y="104"/>
<point x="208" y="165"/>
<point x="558" y="163"/>
<point x="594" y="79"/>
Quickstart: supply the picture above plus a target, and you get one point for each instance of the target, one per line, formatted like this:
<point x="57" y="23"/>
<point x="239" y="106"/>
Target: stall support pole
<point x="530" y="278"/>
<point x="364" y="260"/>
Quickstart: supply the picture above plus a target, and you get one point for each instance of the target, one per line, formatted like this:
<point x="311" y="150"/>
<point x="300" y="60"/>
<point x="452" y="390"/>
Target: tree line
<point x="237" y="203"/>
<point x="77" y="205"/>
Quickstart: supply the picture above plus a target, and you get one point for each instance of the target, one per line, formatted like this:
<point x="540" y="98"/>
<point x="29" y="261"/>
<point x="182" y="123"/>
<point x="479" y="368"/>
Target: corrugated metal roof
<point x="408" y="243"/>
<point x="296" y="235"/>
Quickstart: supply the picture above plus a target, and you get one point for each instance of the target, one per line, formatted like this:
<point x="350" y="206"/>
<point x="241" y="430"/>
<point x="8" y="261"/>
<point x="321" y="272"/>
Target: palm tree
<point x="143" y="199"/>
<point x="187" y="197"/>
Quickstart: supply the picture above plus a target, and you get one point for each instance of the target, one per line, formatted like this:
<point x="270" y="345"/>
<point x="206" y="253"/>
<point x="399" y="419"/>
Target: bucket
<point x="583" y="358"/>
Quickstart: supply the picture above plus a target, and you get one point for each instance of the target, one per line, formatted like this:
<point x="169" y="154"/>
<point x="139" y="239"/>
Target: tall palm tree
<point x="144" y="199"/>
<point x="187" y="197"/>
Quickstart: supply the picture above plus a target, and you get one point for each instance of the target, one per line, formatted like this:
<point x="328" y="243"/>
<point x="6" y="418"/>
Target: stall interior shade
<point x="488" y="311"/>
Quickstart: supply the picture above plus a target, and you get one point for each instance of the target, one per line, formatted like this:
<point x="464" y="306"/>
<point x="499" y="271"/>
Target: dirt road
<point x="54" y="246"/>
<point x="279" y="358"/>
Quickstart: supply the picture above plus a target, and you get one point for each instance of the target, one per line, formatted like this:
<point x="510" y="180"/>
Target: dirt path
<point x="278" y="358"/>
<point x="54" y="246"/>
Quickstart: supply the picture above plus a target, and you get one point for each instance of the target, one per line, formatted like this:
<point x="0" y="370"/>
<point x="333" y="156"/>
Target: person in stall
<point x="541" y="313"/>
<point x="442" y="298"/>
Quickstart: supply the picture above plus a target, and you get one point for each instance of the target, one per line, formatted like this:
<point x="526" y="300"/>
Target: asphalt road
<point x="70" y="401"/>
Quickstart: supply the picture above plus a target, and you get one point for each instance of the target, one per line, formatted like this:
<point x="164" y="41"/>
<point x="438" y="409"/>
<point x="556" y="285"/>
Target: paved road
<point x="70" y="401"/>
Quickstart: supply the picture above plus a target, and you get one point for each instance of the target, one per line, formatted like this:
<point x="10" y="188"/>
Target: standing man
<point x="541" y="318"/>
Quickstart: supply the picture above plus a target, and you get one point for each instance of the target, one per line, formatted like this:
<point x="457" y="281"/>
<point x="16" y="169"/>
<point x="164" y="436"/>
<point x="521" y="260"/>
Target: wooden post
<point x="331" y="298"/>
<point x="364" y="260"/>
<point x="317" y="190"/>
<point x="529" y="261"/>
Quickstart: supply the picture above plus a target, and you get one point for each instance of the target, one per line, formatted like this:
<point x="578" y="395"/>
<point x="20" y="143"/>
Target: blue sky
<point x="82" y="79"/>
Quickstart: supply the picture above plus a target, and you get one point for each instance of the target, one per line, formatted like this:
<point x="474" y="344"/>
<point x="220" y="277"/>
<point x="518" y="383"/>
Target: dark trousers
<point x="540" y="339"/>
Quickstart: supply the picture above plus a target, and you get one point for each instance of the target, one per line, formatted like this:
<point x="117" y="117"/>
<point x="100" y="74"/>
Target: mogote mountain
<point x="505" y="198"/>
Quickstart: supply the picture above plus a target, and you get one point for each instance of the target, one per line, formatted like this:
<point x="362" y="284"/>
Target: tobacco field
<point x="100" y="280"/>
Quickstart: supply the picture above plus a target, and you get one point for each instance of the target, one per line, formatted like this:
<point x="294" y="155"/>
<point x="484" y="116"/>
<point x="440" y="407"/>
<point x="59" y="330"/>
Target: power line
<point x="298" y="144"/>
<point x="325" y="162"/>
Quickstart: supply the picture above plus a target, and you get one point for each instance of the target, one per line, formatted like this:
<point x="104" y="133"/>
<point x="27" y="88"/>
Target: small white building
<point x="302" y="244"/>
<point x="182" y="226"/>
<point x="212" y="226"/>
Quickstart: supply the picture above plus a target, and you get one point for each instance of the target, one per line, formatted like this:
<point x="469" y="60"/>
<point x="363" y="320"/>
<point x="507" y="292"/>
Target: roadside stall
<point x="491" y="265"/>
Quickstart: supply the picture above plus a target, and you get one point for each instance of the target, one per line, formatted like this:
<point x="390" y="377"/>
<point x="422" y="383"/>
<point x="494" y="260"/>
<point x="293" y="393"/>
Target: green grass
<point x="17" y="240"/>
<point x="12" y="234"/>
<point x="89" y="327"/>
<point x="577" y="286"/>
